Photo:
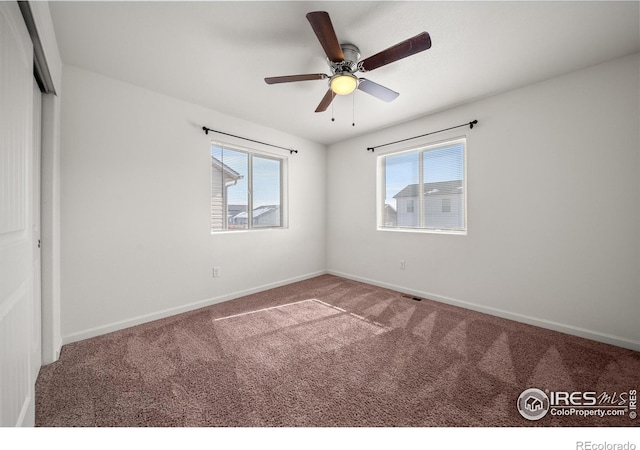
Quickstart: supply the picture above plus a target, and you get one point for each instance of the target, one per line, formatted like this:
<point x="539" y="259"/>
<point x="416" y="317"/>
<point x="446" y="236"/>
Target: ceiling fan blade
<point x="377" y="90"/>
<point x="291" y="78"/>
<point x="411" y="46"/>
<point x="321" y="24"/>
<point x="326" y="101"/>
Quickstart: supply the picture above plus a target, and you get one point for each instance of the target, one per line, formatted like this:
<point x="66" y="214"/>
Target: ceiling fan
<point x="344" y="61"/>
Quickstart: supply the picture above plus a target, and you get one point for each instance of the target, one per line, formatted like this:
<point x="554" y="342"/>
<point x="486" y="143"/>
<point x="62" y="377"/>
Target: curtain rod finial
<point x="371" y="149"/>
<point x="472" y="123"/>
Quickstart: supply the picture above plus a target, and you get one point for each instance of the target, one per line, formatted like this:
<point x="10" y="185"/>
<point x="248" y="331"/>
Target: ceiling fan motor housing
<point x="351" y="58"/>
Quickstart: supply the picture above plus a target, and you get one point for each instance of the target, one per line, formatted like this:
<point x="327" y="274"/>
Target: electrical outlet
<point x="216" y="272"/>
<point x="402" y="264"/>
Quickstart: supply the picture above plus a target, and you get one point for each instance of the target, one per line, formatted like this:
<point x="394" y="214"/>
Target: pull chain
<point x="353" y="110"/>
<point x="333" y="119"/>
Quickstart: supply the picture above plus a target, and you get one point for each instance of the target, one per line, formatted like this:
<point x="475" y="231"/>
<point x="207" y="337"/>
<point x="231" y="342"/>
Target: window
<point x="247" y="189"/>
<point x="446" y="205"/>
<point x="424" y="188"/>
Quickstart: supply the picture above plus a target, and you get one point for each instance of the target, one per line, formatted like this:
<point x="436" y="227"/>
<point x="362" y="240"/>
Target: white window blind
<point x="425" y="188"/>
<point x="266" y="183"/>
<point x="246" y="189"/>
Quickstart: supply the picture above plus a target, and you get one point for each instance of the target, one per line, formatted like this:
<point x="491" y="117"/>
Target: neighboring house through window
<point x="425" y="188"/>
<point x="247" y="189"/>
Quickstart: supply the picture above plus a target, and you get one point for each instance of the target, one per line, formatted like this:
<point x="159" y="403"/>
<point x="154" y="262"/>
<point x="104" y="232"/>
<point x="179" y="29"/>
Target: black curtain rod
<point x="206" y="131"/>
<point x="470" y="124"/>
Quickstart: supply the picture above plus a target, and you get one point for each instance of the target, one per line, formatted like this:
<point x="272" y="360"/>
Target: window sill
<point x="251" y="230"/>
<point x="422" y="231"/>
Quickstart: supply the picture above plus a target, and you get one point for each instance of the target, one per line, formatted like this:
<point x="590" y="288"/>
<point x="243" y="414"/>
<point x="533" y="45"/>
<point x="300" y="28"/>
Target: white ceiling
<point x="217" y="54"/>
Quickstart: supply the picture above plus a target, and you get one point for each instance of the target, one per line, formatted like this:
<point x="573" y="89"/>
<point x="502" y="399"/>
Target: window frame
<point x="420" y="149"/>
<point x="283" y="197"/>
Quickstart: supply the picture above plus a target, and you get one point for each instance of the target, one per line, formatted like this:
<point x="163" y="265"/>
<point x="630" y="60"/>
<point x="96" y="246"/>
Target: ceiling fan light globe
<point x="344" y="84"/>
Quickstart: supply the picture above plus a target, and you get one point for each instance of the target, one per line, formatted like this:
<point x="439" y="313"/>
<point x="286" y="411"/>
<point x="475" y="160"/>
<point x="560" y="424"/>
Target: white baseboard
<point x="618" y="341"/>
<point x="27" y="417"/>
<point x="115" y="326"/>
<point x="543" y="323"/>
<point x="58" y="348"/>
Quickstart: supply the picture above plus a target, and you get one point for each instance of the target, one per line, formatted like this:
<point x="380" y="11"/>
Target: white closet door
<point x="36" y="167"/>
<point x="16" y="241"/>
